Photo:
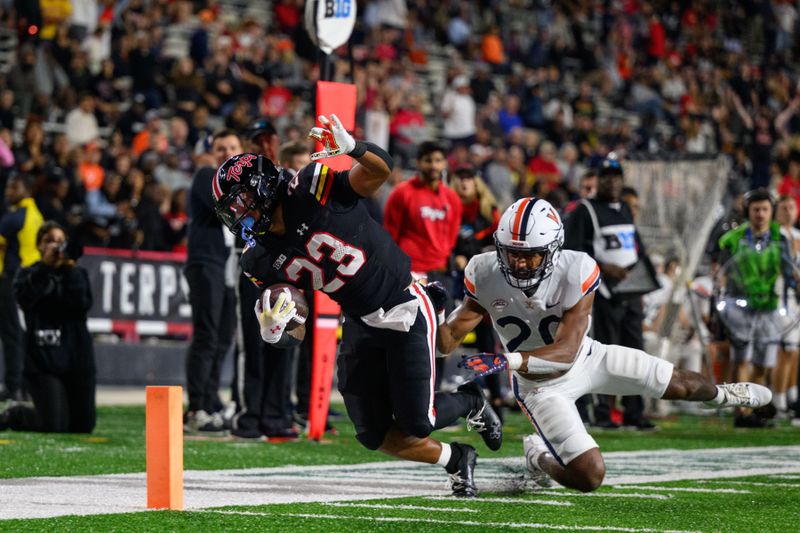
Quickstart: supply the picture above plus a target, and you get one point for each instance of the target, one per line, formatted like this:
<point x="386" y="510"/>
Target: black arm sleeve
<point x="255" y="265"/>
<point x="362" y="147"/>
<point x="66" y="289"/>
<point x="35" y="284"/>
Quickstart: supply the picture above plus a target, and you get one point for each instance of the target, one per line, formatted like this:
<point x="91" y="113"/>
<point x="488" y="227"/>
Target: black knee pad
<point x="370" y="439"/>
<point x="419" y="428"/>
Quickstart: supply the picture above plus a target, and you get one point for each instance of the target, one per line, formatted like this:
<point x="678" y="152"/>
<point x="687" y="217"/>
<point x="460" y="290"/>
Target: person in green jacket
<point x="753" y="258"/>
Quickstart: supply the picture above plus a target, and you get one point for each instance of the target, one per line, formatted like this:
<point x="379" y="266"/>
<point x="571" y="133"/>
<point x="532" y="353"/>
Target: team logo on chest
<point x="279" y="262"/>
<point x="499" y="304"/>
<point x="302" y="229"/>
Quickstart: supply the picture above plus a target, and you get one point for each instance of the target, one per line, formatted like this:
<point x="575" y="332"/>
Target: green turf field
<point x="742" y="503"/>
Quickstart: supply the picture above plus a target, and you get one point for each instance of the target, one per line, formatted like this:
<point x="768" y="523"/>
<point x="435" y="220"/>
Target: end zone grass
<point x="118" y="445"/>
<point x="755" y="506"/>
<point x="747" y="504"/>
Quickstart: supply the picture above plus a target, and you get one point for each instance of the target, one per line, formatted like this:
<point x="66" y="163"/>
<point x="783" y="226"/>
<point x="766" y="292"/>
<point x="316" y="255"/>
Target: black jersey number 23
<point x="319" y="246"/>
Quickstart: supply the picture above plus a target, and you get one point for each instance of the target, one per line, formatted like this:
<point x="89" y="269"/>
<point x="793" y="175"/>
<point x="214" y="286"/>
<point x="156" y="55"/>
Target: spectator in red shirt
<point x="790" y="184"/>
<point x="407" y="125"/>
<point x="545" y="171"/>
<point x="656" y="46"/>
<point x="287" y="14"/>
<point x="423" y="214"/>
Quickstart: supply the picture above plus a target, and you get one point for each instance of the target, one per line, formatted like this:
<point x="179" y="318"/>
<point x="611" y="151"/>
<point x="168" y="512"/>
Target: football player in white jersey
<point x="539" y="298"/>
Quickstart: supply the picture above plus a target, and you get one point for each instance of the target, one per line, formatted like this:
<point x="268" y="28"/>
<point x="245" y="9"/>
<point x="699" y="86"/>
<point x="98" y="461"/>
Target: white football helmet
<point x="529" y="227"/>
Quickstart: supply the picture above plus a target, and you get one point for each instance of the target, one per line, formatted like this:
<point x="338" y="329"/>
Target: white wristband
<point x="514" y="360"/>
<point x="537" y="365"/>
<point x="440" y="318"/>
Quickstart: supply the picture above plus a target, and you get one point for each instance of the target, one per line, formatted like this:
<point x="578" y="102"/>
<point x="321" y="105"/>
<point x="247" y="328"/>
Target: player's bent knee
<point x="415" y="427"/>
<point x="371" y="440"/>
<point x="587" y="471"/>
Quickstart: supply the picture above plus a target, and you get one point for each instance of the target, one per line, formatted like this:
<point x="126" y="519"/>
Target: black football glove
<point x="438" y="295"/>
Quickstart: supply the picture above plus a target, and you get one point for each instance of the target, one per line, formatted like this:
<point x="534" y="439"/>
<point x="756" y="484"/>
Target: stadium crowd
<point x="109" y="105"/>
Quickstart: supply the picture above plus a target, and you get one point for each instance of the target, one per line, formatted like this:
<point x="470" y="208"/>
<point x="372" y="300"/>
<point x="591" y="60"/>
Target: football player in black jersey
<point x="309" y="229"/>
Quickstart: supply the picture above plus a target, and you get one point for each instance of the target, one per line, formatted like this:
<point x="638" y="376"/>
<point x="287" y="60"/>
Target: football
<point x="295" y="294"/>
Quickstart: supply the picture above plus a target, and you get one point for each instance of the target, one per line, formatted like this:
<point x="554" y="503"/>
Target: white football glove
<point x="334" y="138"/>
<point x="273" y="320"/>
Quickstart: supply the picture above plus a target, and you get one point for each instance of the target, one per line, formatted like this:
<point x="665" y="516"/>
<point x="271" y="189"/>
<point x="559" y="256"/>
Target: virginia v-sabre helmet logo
<point x="529" y="227"/>
<point x="247" y="188"/>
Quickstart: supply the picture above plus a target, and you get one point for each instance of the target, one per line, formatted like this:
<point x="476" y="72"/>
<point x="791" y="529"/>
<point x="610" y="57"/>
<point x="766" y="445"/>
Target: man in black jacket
<point x="263" y="372"/>
<point x="603" y="228"/>
<point x="211" y="295"/>
<point x="59" y="368"/>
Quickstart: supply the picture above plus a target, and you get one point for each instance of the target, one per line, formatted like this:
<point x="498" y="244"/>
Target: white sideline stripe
<point x="679" y="489"/>
<point x="405" y="507"/>
<point x="454" y="522"/>
<point x="505" y="500"/>
<point x="99" y="325"/>
<point x="151" y="327"/>
<point x="604" y="495"/>
<point x="754" y="483"/>
<point x="786" y="476"/>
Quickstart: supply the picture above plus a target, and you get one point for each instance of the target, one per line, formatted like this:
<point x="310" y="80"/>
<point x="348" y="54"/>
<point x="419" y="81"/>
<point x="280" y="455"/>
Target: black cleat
<point x="484" y="420"/>
<point x="605" y="424"/>
<point x="462" y="480"/>
<point x="751" y="421"/>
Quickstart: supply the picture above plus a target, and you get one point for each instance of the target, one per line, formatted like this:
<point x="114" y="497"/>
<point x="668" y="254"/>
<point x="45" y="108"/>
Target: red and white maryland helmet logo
<point x="235" y="170"/>
<point x="230" y="173"/>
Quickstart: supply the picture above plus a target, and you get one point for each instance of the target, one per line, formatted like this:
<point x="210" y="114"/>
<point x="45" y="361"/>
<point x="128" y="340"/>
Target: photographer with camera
<point x="59" y="367"/>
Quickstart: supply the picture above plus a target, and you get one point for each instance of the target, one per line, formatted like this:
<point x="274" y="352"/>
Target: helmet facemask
<point x="522" y="277"/>
<point x="247" y="209"/>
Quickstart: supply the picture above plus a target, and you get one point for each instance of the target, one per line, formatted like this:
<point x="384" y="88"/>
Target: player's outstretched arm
<point x="553" y="358"/>
<point x="569" y="336"/>
<point x="460" y="322"/>
<point x="374" y="164"/>
<point x="373" y="168"/>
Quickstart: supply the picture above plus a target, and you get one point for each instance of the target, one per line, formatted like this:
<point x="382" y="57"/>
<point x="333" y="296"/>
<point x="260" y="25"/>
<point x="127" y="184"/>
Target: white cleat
<point x="534" y="447"/>
<point x="745" y="395"/>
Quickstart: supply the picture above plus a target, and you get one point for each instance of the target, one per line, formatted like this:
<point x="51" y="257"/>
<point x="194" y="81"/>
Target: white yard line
<point x="43" y="497"/>
<point x="753" y="483"/>
<point x="404" y="507"/>
<point x="515" y="525"/>
<point x="572" y="494"/>
<point x="680" y="489"/>
<point x="506" y="500"/>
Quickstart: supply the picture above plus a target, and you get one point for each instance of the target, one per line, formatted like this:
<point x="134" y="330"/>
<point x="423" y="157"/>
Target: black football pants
<point x="62" y="404"/>
<point x="387" y="377"/>
<point x="618" y="322"/>
<point x="10" y="334"/>
<point x="263" y="373"/>
<point x="213" y="320"/>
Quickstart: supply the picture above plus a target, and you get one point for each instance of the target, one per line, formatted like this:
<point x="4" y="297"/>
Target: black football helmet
<point x="247" y="188"/>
